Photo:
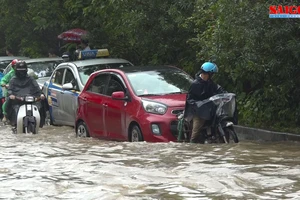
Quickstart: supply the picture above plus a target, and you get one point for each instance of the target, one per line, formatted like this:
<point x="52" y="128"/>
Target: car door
<point x="115" y="110"/>
<point x="69" y="97"/>
<point x="54" y="95"/>
<point x="94" y="105"/>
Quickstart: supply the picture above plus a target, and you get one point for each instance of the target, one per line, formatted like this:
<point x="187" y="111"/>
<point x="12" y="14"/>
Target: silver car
<point x="67" y="81"/>
<point x="41" y="68"/>
<point x="5" y="60"/>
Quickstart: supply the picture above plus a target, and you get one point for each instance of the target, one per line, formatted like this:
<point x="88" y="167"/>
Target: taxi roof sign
<point x="90" y="54"/>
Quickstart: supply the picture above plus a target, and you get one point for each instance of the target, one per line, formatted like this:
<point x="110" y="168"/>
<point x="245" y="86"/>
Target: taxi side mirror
<point x="68" y="86"/>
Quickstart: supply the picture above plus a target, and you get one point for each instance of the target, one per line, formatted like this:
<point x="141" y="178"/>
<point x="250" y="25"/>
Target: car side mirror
<point x="68" y="86"/>
<point x="120" y="95"/>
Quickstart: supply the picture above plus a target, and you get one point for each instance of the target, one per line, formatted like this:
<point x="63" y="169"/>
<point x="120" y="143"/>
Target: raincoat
<point x="21" y="88"/>
<point x="200" y="90"/>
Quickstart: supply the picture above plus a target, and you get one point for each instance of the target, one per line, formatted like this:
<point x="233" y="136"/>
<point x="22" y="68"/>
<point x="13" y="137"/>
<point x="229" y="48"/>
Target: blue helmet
<point x="209" y="67"/>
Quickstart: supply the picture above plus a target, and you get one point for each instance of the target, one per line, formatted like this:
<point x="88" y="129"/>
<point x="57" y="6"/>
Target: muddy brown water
<point x="56" y="165"/>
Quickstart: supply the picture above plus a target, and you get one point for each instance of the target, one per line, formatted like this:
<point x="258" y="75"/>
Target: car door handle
<point x="84" y="98"/>
<point x="105" y="105"/>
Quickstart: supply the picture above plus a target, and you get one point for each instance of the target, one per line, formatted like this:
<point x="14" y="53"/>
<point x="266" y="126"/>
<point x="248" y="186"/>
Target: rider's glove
<point x="42" y="96"/>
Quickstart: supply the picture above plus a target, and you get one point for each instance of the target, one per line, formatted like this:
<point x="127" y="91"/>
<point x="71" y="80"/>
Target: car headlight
<point x="154" y="107"/>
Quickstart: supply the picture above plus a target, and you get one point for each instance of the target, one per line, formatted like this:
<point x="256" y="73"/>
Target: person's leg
<point x="1" y="110"/>
<point x="4" y="111"/>
<point x="196" y="131"/>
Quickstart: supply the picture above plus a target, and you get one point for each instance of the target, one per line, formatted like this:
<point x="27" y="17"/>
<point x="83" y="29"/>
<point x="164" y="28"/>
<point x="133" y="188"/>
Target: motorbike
<point x="28" y="116"/>
<point x="219" y="112"/>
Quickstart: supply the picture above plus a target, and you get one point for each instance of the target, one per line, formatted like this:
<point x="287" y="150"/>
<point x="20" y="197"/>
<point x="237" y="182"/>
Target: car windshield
<point x="159" y="82"/>
<point x="43" y="69"/>
<point x="4" y="63"/>
<point x="86" y="71"/>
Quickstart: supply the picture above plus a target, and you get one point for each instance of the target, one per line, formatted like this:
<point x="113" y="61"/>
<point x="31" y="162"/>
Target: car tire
<point x="135" y="134"/>
<point x="82" y="130"/>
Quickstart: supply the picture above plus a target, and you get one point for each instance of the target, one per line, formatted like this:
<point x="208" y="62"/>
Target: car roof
<point x="3" y="58"/>
<point x="82" y="63"/>
<point x="146" y="68"/>
<point x="32" y="60"/>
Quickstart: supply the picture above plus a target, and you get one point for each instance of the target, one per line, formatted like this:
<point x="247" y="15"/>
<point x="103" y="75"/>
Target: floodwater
<point x="56" y="165"/>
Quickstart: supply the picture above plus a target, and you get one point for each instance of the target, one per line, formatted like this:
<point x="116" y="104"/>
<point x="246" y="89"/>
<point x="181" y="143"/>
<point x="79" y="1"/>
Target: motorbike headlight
<point x="154" y="107"/>
<point x="29" y="99"/>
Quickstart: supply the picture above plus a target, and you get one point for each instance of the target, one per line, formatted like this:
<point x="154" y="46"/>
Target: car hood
<point x="42" y="80"/>
<point x="171" y="100"/>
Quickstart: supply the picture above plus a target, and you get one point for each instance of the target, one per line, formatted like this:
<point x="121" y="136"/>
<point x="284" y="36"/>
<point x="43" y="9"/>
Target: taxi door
<point x="69" y="97"/>
<point x="54" y="95"/>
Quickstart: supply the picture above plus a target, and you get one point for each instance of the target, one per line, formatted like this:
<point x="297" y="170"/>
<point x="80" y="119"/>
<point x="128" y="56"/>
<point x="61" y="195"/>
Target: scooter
<point x="28" y="117"/>
<point x="218" y="111"/>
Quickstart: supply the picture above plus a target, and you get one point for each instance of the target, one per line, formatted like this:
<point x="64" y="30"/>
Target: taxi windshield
<point x="86" y="71"/>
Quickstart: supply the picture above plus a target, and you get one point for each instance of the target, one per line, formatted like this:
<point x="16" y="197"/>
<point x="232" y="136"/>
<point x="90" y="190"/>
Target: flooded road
<point x="56" y="165"/>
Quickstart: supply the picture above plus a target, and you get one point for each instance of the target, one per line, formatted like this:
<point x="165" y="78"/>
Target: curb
<point x="247" y="133"/>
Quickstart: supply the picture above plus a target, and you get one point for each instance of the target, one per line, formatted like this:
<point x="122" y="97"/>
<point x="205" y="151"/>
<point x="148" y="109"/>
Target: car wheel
<point x="135" y="134"/>
<point x="82" y="130"/>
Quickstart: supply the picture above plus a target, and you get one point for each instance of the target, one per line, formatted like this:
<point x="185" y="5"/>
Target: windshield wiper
<point x="175" y="93"/>
<point x="143" y="95"/>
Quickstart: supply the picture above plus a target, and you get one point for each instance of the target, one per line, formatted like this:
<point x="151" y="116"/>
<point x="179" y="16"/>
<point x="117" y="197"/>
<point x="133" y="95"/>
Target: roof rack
<point x="91" y="54"/>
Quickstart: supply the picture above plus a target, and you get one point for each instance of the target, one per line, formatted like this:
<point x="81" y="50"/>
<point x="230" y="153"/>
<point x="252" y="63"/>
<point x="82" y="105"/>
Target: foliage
<point x="257" y="56"/>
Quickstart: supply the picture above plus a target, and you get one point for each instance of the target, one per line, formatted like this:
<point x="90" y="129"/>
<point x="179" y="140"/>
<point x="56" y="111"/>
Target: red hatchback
<point x="133" y="104"/>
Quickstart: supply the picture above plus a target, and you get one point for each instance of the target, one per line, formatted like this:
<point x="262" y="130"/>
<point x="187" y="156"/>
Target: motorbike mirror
<point x="67" y="86"/>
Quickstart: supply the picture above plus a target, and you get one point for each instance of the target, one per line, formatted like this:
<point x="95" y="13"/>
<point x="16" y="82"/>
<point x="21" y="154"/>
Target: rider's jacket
<point x="199" y="91"/>
<point x="23" y="87"/>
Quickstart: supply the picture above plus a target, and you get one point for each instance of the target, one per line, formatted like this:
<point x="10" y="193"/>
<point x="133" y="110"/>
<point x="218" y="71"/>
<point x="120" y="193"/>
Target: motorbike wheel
<point x="231" y="135"/>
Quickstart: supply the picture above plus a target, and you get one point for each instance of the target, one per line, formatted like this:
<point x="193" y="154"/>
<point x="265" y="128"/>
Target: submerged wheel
<point x="135" y="134"/>
<point x="82" y="130"/>
<point x="230" y="135"/>
<point x="31" y="128"/>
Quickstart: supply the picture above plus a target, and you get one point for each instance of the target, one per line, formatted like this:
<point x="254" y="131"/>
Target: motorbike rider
<point x="21" y="85"/>
<point x="4" y="83"/>
<point x="202" y="88"/>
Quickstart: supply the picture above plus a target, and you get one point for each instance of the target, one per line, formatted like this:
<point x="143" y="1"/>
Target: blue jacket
<point x="1" y="76"/>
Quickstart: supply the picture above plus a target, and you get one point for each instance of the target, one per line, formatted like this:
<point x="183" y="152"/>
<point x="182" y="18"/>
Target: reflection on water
<point x="56" y="165"/>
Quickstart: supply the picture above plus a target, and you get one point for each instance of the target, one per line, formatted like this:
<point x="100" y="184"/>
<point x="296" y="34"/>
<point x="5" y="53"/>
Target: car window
<point x="98" y="84"/>
<point x="58" y="76"/>
<point x="159" y="81"/>
<point x="3" y="64"/>
<point x="86" y="71"/>
<point x="43" y="68"/>
<point x="7" y="69"/>
<point x="70" y="78"/>
<point x="114" y="85"/>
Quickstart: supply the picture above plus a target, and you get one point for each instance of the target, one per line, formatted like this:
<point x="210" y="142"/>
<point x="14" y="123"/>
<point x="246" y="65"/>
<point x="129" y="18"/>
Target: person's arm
<point x="195" y="93"/>
<point x="36" y="91"/>
<point x="10" y="90"/>
<point x="219" y="89"/>
<point x="5" y="80"/>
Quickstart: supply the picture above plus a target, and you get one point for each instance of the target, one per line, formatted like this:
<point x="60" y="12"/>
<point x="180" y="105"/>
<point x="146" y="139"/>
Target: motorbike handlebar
<point x="28" y="98"/>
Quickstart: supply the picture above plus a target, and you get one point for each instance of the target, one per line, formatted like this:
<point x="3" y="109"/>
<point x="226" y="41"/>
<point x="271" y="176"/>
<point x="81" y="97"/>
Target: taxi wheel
<point x="135" y="134"/>
<point x="82" y="130"/>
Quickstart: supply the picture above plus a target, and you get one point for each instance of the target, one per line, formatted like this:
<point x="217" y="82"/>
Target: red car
<point x="133" y="104"/>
